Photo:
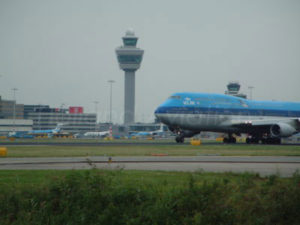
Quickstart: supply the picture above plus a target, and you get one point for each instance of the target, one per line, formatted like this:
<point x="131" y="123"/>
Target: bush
<point x="95" y="197"/>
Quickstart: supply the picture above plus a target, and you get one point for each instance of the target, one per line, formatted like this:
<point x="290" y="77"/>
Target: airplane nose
<point x="156" y="112"/>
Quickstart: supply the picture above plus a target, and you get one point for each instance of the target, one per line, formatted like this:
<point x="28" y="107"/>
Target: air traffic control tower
<point x="129" y="58"/>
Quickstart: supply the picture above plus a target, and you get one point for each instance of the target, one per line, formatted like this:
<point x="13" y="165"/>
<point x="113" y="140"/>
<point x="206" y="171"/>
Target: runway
<point x="283" y="166"/>
<point x="117" y="143"/>
<point x="96" y="143"/>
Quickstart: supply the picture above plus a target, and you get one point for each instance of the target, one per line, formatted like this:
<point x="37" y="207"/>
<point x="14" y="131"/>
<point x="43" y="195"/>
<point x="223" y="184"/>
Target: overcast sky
<point x="63" y="51"/>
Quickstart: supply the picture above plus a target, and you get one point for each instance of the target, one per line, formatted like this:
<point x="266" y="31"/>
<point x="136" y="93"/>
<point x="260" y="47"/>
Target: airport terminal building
<point x="20" y="117"/>
<point x="73" y="119"/>
<point x="12" y="117"/>
<point x="8" y="107"/>
<point x="10" y="125"/>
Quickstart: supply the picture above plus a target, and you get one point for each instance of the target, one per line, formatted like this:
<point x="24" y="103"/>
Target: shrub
<point x="95" y="197"/>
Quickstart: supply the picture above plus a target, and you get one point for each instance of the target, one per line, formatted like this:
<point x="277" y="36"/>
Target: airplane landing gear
<point x="252" y="140"/>
<point x="276" y="141"/>
<point x="263" y="140"/>
<point x="229" y="140"/>
<point x="181" y="134"/>
<point x="179" y="139"/>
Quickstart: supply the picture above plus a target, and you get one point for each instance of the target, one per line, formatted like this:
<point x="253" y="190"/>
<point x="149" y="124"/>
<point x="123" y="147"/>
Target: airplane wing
<point x="277" y="128"/>
<point x="262" y="122"/>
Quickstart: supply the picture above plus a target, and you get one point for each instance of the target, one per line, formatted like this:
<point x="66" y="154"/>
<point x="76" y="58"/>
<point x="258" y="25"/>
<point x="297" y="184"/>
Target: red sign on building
<point x="76" y="110"/>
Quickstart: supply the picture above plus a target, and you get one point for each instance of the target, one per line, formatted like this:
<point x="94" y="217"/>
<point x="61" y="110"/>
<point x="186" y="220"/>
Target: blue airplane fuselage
<point x="221" y="113"/>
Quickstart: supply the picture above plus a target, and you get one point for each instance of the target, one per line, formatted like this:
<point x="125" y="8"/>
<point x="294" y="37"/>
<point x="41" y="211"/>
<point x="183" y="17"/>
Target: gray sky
<point x="63" y="51"/>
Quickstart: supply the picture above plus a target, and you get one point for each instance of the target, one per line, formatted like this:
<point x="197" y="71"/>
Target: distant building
<point x="12" y="117"/>
<point x="34" y="108"/>
<point x="76" y="110"/>
<point x="43" y="117"/>
<point x="1" y="116"/>
<point x="7" y="109"/>
<point x="73" y="119"/>
<point x="233" y="89"/>
<point x="9" y="125"/>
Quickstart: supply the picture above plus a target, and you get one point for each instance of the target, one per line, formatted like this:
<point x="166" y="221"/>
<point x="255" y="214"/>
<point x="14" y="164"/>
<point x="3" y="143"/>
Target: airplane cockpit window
<point x="175" y="97"/>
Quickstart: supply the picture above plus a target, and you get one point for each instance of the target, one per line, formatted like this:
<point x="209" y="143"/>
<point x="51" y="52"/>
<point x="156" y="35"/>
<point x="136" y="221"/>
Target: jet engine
<point x="282" y="130"/>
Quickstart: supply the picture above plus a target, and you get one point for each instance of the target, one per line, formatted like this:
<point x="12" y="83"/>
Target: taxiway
<point x="265" y="166"/>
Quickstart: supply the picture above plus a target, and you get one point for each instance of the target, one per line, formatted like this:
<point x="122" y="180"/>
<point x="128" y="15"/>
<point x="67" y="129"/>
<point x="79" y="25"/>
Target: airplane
<point x="32" y="133"/>
<point x="96" y="134"/>
<point x="159" y="132"/>
<point x="20" y="134"/>
<point x="187" y="114"/>
<point x="56" y="130"/>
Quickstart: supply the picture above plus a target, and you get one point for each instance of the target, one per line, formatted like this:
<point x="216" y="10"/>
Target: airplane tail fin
<point x="58" y="127"/>
<point x="160" y="131"/>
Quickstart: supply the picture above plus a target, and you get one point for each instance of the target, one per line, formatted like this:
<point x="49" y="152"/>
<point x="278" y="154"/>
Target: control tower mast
<point x="129" y="58"/>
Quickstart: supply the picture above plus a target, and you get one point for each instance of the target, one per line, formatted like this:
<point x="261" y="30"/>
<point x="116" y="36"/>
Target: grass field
<point x="148" y="150"/>
<point x="9" y="178"/>
<point x="148" y="197"/>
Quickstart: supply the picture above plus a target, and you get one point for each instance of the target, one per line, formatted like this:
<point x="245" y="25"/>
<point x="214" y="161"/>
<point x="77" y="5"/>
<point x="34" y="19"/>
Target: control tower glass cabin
<point x="233" y="89"/>
<point x="129" y="58"/>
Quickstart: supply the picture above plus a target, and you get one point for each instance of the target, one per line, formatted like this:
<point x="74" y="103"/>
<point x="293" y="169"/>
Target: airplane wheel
<point x="276" y="141"/>
<point x="279" y="141"/>
<point x="269" y="141"/>
<point x="179" y="139"/>
<point x="253" y="140"/>
<point x="229" y="140"/>
<point x="248" y="140"/>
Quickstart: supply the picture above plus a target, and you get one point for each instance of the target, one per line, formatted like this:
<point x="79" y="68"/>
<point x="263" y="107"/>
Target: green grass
<point x="12" y="178"/>
<point x="152" y="197"/>
<point x="92" y="140"/>
<point x="148" y="150"/>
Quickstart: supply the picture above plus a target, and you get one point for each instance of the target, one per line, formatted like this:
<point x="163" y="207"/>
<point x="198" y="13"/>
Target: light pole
<point x="62" y="113"/>
<point x="14" y="107"/>
<point x="250" y="88"/>
<point x="40" y="109"/>
<point x="0" y="97"/>
<point x="0" y="100"/>
<point x="110" y="104"/>
<point x="96" y="111"/>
